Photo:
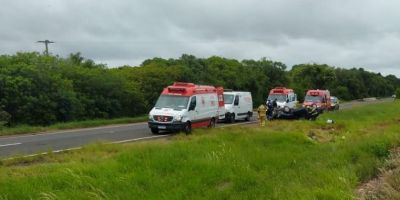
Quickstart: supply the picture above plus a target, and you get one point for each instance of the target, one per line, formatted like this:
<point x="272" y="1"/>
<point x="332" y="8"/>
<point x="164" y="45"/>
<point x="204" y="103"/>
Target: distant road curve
<point x="354" y="103"/>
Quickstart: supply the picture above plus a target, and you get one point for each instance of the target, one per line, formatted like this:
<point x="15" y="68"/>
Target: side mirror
<point x="287" y="100"/>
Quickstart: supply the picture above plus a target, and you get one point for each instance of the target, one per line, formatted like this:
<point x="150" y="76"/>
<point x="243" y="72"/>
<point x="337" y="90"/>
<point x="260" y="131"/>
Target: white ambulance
<point x="238" y="105"/>
<point x="183" y="106"/>
<point x="284" y="97"/>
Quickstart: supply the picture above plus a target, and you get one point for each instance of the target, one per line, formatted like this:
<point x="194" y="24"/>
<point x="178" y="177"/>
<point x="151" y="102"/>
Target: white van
<point x="238" y="105"/>
<point x="284" y="97"/>
<point x="184" y="106"/>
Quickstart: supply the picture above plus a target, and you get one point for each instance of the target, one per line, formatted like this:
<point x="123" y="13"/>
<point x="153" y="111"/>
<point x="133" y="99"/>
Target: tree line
<point x="39" y="89"/>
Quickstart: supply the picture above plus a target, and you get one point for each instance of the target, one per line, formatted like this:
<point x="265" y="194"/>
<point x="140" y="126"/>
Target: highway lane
<point x="61" y="140"/>
<point x="29" y="144"/>
<point x="71" y="139"/>
<point x="351" y="104"/>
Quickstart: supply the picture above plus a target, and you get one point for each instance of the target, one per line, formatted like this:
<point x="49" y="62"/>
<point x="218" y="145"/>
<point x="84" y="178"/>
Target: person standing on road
<point x="262" y="111"/>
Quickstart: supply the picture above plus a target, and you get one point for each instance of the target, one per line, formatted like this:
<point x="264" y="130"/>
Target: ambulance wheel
<point x="212" y="123"/>
<point x="154" y="130"/>
<point x="232" y="118"/>
<point x="188" y="128"/>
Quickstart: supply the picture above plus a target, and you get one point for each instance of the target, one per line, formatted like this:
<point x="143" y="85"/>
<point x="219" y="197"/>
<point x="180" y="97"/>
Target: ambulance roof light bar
<point x="184" y="84"/>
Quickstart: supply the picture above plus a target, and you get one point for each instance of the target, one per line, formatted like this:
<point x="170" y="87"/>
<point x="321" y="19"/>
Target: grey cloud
<point x="358" y="33"/>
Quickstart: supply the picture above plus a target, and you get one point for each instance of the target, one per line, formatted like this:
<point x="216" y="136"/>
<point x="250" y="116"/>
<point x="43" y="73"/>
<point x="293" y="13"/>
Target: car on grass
<point x="334" y="103"/>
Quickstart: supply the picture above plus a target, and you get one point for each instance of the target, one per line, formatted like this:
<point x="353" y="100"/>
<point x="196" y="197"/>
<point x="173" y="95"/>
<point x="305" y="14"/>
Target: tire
<point x="188" y="128"/>
<point x="286" y="109"/>
<point x="248" y="117"/>
<point x="212" y="123"/>
<point x="232" y="118"/>
<point x="155" y="130"/>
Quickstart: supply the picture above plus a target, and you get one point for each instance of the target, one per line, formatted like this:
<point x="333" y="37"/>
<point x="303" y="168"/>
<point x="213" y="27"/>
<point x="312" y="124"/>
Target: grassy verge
<point x="387" y="184"/>
<point x="285" y="160"/>
<point x="22" y="129"/>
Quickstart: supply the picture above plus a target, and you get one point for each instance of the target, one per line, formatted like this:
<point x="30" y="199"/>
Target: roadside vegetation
<point x="398" y="93"/>
<point x="36" y="89"/>
<point x="387" y="184"/>
<point x="284" y="160"/>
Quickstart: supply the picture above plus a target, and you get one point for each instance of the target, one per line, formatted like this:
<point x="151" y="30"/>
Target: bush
<point x="398" y="93"/>
<point x="4" y="118"/>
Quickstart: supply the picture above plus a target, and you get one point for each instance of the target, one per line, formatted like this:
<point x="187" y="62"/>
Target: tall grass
<point x="285" y="160"/>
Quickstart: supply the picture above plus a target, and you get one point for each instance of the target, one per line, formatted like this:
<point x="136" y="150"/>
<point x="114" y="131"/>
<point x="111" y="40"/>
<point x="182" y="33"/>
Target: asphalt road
<point x="72" y="139"/>
<point x="351" y="104"/>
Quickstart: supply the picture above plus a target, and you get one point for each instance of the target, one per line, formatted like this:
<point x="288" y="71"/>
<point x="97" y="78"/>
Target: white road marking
<point x="6" y="145"/>
<point x="77" y="148"/>
<point x="137" y="139"/>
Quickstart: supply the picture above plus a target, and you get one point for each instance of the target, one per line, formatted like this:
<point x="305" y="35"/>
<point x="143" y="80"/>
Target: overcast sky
<point x="344" y="33"/>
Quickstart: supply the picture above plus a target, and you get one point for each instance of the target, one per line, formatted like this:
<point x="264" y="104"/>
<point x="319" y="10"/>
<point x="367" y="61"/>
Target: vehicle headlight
<point x="178" y="118"/>
<point x="150" y="117"/>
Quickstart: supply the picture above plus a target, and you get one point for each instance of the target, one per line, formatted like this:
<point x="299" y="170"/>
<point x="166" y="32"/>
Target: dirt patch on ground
<point x="384" y="124"/>
<point x="321" y="135"/>
<point x="326" y="133"/>
<point x="224" y="185"/>
<point x="387" y="184"/>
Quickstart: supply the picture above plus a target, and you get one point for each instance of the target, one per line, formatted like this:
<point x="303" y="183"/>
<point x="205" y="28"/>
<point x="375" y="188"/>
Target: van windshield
<point x="278" y="97"/>
<point x="172" y="101"/>
<point x="310" y="98"/>
<point x="228" y="98"/>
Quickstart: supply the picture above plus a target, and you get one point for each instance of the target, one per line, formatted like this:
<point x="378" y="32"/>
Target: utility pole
<point x="46" y="43"/>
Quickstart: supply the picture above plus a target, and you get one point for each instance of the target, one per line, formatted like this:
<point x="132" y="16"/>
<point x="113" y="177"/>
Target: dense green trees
<point x="250" y="75"/>
<point x="345" y="83"/>
<point x="40" y="89"/>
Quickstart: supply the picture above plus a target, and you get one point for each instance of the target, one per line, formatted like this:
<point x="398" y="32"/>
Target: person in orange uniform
<point x="262" y="111"/>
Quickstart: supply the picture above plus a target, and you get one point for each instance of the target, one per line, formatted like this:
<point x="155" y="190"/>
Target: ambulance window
<point x="192" y="104"/>
<point x="236" y="103"/>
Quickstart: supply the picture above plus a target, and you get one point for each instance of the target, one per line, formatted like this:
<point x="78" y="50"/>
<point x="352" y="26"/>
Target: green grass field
<point x="22" y="129"/>
<point x="285" y="160"/>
